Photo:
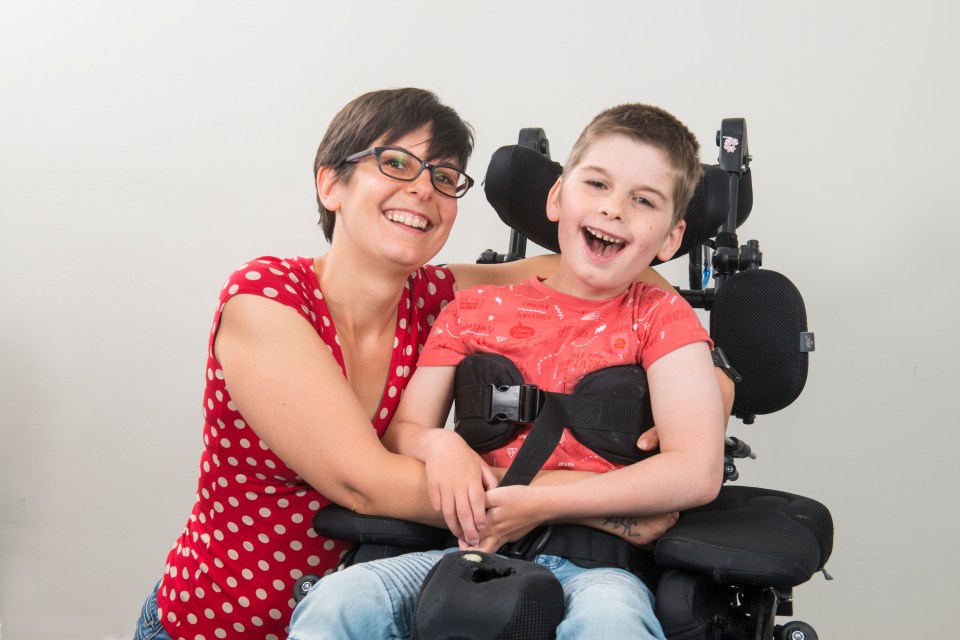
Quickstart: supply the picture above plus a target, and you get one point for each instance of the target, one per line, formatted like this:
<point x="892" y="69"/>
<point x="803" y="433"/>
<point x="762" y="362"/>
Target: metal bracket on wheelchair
<point x="732" y="140"/>
<point x="534" y="138"/>
<point x="490" y="256"/>
<point x="735" y="160"/>
<point x="764" y="604"/>
<point x="517" y="403"/>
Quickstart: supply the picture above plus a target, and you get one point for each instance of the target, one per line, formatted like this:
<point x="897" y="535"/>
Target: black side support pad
<point x="758" y="320"/>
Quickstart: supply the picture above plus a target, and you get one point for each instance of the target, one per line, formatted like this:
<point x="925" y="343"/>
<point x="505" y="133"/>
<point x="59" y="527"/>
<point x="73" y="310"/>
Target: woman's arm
<point x="456" y="475"/>
<point x="471" y="275"/>
<point x="285" y="381"/>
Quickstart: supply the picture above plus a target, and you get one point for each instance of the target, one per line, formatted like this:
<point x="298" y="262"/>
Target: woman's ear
<point x="553" y="201"/>
<point x="328" y="188"/>
<point x="672" y="242"/>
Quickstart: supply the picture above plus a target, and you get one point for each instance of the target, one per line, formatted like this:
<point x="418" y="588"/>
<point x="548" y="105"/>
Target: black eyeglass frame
<point x="378" y="151"/>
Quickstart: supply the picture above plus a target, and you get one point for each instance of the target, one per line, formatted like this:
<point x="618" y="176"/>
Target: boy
<point x="619" y="204"/>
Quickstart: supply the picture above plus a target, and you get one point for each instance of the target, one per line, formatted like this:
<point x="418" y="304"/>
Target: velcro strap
<point x="601" y="414"/>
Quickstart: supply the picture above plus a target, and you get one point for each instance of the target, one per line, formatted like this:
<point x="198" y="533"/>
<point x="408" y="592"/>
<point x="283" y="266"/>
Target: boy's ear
<point x="553" y="201"/>
<point x="328" y="188"/>
<point x="672" y="242"/>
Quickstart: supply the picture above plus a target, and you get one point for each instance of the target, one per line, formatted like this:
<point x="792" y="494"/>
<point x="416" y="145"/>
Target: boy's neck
<point x="566" y="283"/>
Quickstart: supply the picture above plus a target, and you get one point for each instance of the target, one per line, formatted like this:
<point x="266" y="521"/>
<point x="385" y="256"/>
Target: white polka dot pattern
<point x="249" y="537"/>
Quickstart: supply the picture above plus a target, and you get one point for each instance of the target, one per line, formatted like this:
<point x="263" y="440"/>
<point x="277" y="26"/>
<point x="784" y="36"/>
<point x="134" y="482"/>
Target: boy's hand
<point x="642" y="531"/>
<point x="456" y="479"/>
<point x="512" y="512"/>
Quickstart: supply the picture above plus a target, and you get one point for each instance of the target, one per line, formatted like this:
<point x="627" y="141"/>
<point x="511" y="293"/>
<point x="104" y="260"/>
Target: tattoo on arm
<point x="622" y="526"/>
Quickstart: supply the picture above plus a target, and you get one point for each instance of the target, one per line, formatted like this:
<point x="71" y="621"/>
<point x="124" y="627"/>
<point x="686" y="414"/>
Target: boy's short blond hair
<point x="656" y="127"/>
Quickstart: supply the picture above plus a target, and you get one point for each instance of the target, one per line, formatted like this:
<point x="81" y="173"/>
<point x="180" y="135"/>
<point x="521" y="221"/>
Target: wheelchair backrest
<point x="757" y="318"/>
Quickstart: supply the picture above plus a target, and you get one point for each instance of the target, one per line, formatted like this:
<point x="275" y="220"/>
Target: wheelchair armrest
<point x="334" y="521"/>
<point x="751" y="536"/>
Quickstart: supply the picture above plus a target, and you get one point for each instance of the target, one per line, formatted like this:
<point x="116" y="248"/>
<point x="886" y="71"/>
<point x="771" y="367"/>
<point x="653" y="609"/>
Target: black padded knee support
<point x="471" y="595"/>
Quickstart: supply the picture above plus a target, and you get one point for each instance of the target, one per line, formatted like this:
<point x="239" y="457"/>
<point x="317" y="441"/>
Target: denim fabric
<point x="369" y="601"/>
<point x="376" y="600"/>
<point x="149" y="626"/>
<point x="603" y="603"/>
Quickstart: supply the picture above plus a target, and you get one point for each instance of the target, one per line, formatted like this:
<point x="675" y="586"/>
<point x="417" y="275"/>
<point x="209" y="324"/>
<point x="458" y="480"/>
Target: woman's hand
<point x="456" y="479"/>
<point x="512" y="512"/>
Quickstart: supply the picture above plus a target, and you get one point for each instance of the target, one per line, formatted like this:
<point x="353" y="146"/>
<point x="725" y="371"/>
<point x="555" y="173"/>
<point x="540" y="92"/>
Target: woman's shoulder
<point x="297" y="270"/>
<point x="290" y="281"/>
<point x="433" y="285"/>
<point x="272" y="266"/>
<point x="434" y="273"/>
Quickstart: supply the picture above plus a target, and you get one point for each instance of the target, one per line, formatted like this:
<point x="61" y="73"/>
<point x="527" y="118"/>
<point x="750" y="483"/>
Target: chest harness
<point x="481" y="596"/>
<point x="607" y="412"/>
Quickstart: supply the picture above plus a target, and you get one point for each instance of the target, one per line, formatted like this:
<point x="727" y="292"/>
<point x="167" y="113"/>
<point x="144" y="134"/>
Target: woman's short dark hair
<point x="388" y="115"/>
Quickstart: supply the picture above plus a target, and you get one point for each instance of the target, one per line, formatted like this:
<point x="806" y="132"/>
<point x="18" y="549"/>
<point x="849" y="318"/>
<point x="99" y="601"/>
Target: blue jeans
<point x="376" y="600"/>
<point x="149" y="626"/>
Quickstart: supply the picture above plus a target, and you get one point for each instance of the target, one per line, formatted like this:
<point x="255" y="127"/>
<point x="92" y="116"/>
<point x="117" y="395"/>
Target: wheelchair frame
<point x="724" y="604"/>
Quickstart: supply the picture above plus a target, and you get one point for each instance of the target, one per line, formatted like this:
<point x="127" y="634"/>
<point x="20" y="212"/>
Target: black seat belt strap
<point x="540" y="442"/>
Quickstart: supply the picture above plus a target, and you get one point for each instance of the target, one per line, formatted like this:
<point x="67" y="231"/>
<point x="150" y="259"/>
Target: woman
<point x="293" y="388"/>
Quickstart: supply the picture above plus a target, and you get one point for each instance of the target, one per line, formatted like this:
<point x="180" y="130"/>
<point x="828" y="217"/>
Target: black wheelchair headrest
<point x="518" y="180"/>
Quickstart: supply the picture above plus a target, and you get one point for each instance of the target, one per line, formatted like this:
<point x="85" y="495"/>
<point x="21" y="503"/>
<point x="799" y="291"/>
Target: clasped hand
<point x="464" y="489"/>
<point x="457" y="478"/>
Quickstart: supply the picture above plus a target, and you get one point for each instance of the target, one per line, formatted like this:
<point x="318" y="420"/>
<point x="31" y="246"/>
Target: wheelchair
<point x="727" y="569"/>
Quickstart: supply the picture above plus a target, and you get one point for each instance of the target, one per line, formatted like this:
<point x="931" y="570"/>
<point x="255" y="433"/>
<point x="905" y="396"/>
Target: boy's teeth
<point x="603" y="236"/>
<point x="407" y="219"/>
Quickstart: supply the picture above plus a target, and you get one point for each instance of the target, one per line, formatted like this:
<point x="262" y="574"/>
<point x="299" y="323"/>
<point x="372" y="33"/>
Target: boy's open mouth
<point x="601" y="244"/>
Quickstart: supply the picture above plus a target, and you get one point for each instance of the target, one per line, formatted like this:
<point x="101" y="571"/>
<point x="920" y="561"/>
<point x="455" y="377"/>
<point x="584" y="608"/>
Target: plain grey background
<point x="146" y="149"/>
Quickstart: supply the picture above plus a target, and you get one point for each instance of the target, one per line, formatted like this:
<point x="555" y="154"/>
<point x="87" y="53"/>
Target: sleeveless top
<point x="249" y="537"/>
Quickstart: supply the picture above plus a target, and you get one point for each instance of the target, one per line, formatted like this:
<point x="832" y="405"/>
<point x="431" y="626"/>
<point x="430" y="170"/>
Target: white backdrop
<point x="146" y="149"/>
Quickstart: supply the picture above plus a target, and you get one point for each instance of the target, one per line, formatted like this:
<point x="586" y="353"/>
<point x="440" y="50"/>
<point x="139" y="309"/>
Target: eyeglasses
<point x="400" y="164"/>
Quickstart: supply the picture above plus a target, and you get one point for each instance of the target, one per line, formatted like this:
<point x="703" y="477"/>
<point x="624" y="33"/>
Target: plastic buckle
<point x="529" y="546"/>
<point x="516" y="403"/>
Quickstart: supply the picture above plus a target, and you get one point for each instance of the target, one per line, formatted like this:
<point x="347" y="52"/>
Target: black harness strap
<point x="588" y="547"/>
<point x="541" y="441"/>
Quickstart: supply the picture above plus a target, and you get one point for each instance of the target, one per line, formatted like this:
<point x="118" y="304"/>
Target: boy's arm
<point x="688" y="472"/>
<point x="422" y="410"/>
<point x="456" y="475"/>
<point x="635" y="529"/>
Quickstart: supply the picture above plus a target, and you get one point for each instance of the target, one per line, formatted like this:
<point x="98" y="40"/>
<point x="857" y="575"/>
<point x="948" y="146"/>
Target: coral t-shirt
<point x="249" y="537"/>
<point x="556" y="339"/>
